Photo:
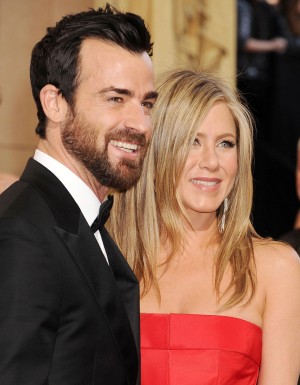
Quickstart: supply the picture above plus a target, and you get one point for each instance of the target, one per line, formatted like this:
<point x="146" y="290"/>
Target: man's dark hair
<point x="54" y="59"/>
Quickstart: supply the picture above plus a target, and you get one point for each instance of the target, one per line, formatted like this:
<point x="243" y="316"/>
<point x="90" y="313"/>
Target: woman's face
<point x="212" y="163"/>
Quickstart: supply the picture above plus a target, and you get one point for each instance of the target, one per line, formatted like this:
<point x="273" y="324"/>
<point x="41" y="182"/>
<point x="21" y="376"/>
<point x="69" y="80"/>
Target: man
<point x="68" y="299"/>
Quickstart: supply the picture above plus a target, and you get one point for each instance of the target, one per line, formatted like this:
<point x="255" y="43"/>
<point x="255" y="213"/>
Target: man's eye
<point x="148" y="105"/>
<point x="116" y="99"/>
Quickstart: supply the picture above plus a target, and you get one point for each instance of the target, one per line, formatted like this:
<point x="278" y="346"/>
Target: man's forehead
<point x="93" y="48"/>
<point x="96" y="53"/>
<point x="92" y="43"/>
<point x="114" y="66"/>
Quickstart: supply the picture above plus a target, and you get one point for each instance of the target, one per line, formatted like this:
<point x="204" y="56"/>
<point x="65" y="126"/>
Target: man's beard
<point x="80" y="140"/>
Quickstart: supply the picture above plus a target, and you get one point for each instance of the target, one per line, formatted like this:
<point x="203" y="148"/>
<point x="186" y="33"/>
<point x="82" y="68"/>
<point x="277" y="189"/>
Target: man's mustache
<point x="127" y="135"/>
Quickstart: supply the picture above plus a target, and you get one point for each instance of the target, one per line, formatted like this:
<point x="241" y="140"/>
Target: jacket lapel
<point x="99" y="276"/>
<point x="128" y="287"/>
<point x="126" y="282"/>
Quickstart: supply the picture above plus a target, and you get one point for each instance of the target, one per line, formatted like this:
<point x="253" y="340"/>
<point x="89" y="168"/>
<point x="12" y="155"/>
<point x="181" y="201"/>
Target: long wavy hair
<point x="151" y="212"/>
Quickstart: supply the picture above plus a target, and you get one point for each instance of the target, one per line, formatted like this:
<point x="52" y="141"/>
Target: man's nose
<point x="138" y="119"/>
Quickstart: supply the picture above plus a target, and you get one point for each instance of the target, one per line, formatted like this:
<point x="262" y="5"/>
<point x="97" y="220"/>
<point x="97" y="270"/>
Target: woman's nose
<point x="208" y="158"/>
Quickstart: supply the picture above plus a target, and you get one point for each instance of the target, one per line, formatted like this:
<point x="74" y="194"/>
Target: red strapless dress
<point x="189" y="349"/>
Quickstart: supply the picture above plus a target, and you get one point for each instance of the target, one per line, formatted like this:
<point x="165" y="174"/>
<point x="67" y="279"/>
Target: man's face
<point x="109" y="128"/>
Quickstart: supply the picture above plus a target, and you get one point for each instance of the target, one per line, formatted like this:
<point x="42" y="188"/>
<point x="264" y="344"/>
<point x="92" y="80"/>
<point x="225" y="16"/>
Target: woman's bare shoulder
<point x="276" y="260"/>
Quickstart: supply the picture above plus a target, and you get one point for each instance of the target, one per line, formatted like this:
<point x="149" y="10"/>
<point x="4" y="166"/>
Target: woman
<point x="219" y="304"/>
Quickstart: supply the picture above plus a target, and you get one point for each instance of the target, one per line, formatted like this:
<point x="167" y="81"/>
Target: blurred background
<point x="252" y="44"/>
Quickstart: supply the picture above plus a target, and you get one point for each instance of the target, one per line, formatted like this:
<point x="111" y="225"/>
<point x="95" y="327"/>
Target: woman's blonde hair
<point x="152" y="209"/>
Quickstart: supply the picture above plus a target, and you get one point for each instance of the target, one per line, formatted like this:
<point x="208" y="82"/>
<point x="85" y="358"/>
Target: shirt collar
<point x="85" y="198"/>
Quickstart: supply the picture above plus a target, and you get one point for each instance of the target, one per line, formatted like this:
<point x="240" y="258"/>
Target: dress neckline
<point x="225" y="317"/>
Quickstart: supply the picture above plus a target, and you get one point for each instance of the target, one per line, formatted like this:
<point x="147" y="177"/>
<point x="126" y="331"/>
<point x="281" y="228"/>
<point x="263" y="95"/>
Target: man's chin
<point x="126" y="180"/>
<point x="120" y="179"/>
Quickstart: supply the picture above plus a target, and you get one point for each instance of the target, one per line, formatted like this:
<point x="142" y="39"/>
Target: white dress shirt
<point x="85" y="198"/>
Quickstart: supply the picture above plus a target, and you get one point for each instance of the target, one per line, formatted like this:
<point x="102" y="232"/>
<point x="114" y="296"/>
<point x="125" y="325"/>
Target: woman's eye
<point x="196" y="142"/>
<point x="227" y="144"/>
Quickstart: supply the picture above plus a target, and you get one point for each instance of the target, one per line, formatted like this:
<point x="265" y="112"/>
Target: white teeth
<point x="128" y="147"/>
<point x="204" y="182"/>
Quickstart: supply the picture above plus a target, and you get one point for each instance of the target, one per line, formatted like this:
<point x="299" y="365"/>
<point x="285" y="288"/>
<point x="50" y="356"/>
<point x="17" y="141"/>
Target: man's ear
<point x="54" y="105"/>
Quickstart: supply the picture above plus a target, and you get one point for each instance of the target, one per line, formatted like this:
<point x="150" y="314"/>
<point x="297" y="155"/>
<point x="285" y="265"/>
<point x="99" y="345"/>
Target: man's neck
<point x="61" y="155"/>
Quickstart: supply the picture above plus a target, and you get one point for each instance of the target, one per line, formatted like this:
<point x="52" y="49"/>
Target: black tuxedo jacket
<point x="66" y="317"/>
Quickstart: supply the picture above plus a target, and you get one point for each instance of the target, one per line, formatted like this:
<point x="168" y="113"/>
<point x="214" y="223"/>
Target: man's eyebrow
<point x="125" y="91"/>
<point x="121" y="91"/>
<point x="151" y="95"/>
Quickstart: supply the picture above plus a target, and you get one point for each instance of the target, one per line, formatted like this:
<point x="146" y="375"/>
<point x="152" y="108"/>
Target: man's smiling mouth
<point x="127" y="147"/>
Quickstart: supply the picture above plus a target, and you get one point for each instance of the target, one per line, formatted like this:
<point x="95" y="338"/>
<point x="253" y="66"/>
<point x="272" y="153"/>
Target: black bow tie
<point x="103" y="215"/>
